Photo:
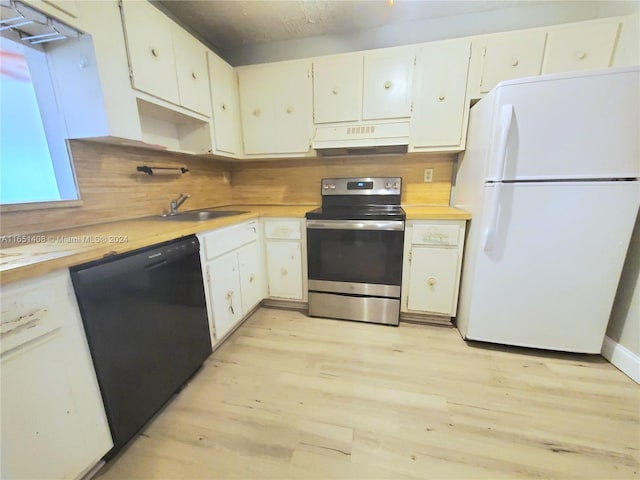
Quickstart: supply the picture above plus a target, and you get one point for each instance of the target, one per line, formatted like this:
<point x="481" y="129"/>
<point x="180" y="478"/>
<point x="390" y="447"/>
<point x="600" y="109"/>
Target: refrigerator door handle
<point x="506" y="119"/>
<point x="492" y="219"/>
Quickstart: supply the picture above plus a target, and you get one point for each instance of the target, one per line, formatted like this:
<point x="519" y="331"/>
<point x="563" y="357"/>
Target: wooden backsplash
<point x="298" y="181"/>
<point x="111" y="189"/>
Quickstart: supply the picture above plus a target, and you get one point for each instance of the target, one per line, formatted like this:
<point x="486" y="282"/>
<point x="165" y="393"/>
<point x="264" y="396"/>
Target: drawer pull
<point x="431" y="281"/>
<point x="289" y="109"/>
<point x="387" y="85"/>
<point x="514" y="62"/>
<point x="230" y="299"/>
<point x="581" y="55"/>
<point x="441" y="98"/>
<point x="155" y="52"/>
<point x="194" y="75"/>
<point x="284" y="272"/>
<point x="224" y="106"/>
<point x="335" y="91"/>
<point x="252" y="277"/>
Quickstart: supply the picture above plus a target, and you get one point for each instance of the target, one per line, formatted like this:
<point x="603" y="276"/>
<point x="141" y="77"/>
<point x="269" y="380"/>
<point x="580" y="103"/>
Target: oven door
<point x="362" y="257"/>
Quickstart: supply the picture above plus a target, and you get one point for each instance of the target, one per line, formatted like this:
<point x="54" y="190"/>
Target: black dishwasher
<point x="145" y="318"/>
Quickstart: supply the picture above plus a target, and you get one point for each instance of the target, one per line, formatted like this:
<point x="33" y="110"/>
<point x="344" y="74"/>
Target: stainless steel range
<point x="354" y="249"/>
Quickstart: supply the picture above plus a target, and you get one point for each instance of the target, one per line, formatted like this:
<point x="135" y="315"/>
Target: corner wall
<point x="622" y="343"/>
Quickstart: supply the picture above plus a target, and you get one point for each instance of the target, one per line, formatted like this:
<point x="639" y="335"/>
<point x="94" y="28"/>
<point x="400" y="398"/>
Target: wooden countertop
<point x="435" y="212"/>
<point x="26" y="256"/>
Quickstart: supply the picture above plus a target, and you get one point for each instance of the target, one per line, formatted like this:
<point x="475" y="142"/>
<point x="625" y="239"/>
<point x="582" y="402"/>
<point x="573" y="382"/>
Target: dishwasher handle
<point x="142" y="259"/>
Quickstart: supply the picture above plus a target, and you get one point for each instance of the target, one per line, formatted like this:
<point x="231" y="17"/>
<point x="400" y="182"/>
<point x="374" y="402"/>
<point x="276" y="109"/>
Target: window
<point x="35" y="160"/>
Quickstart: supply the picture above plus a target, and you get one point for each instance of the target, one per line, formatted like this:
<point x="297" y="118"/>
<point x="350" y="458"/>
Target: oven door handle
<point x="397" y="225"/>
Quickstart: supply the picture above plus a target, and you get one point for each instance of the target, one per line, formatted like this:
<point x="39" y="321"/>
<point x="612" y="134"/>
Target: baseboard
<point x="622" y="358"/>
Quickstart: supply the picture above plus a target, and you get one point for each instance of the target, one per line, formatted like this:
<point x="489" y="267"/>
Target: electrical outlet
<point x="428" y="175"/>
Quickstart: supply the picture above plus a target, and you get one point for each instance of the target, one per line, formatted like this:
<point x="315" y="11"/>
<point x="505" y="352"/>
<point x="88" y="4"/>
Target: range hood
<point x="363" y="139"/>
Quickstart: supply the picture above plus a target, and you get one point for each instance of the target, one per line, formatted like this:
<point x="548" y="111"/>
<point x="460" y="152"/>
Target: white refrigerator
<point x="550" y="176"/>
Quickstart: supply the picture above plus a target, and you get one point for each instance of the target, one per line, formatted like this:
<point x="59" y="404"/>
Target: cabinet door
<point x="511" y="56"/>
<point x="192" y="73"/>
<point x="276" y="105"/>
<point x="293" y="107"/>
<point x="432" y="281"/>
<point x="70" y="7"/>
<point x="387" y="84"/>
<point x="225" y="105"/>
<point x="251" y="276"/>
<point x="580" y="47"/>
<point x="257" y="101"/>
<point x="149" y="36"/>
<point x="284" y="265"/>
<point x="440" y="93"/>
<point x="53" y="419"/>
<point x="337" y="89"/>
<point x="225" y="293"/>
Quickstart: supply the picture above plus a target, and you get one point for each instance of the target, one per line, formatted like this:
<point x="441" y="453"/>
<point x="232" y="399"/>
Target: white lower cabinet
<point x="223" y="282"/>
<point x="234" y="277"/>
<point x="285" y="246"/>
<point x="53" y="419"/>
<point x="431" y="271"/>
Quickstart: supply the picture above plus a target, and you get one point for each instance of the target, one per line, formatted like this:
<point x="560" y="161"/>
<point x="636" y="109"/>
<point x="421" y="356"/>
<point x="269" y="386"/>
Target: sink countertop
<point x="30" y="255"/>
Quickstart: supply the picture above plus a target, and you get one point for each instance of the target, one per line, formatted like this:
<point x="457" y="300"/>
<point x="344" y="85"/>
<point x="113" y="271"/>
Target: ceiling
<point x="227" y="25"/>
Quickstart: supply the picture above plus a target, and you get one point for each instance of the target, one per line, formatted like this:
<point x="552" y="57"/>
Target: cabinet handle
<point x="155" y="52"/>
<point x="441" y="98"/>
<point x="335" y="91"/>
<point x="230" y="298"/>
<point x="252" y="277"/>
<point x="387" y="85"/>
<point x="256" y="112"/>
<point x="194" y="75"/>
<point x="581" y="55"/>
<point x="431" y="281"/>
<point x="224" y="107"/>
<point x="284" y="272"/>
<point x="514" y="62"/>
<point x="289" y="109"/>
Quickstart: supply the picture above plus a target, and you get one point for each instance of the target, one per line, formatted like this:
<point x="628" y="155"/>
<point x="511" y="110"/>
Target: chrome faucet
<point x="175" y="204"/>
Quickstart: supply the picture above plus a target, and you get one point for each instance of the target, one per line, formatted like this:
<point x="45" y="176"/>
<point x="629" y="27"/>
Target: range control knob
<point x="325" y="186"/>
<point x="332" y="186"/>
<point x="396" y="186"/>
<point x="387" y="186"/>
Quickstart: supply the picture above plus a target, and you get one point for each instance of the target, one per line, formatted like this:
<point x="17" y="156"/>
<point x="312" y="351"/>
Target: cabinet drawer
<point x="30" y="310"/>
<point x="287" y="229"/>
<point x="224" y="240"/>
<point x="446" y="235"/>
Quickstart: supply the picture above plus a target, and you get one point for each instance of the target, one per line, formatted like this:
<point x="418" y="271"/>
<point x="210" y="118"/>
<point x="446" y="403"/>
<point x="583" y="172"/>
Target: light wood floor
<point x="291" y="397"/>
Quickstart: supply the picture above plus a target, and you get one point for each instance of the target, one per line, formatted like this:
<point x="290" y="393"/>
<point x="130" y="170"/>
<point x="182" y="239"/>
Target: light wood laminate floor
<point x="292" y="397"/>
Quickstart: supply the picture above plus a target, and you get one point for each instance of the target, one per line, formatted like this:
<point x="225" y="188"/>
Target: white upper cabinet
<point x="628" y="45"/>
<point x="192" y="72"/>
<point x="580" y="47"/>
<point x="225" y="106"/>
<point x="387" y="83"/>
<point x="440" y="95"/>
<point x="512" y="55"/>
<point x="149" y="35"/>
<point x="337" y="88"/>
<point x="276" y="107"/>
<point x="165" y="60"/>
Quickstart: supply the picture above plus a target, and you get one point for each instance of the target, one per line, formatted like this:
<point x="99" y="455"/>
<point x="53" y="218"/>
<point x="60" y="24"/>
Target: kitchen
<point x="273" y="193"/>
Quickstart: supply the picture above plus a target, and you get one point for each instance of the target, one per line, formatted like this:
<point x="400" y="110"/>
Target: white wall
<point x="624" y="324"/>
<point x="528" y="16"/>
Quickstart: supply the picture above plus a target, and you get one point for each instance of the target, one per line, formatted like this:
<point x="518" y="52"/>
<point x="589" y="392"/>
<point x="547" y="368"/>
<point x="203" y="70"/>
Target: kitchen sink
<point x="201" y="215"/>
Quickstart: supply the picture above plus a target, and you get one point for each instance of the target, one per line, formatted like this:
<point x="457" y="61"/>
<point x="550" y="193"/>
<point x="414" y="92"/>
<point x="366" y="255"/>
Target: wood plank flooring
<point x="292" y="397"/>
